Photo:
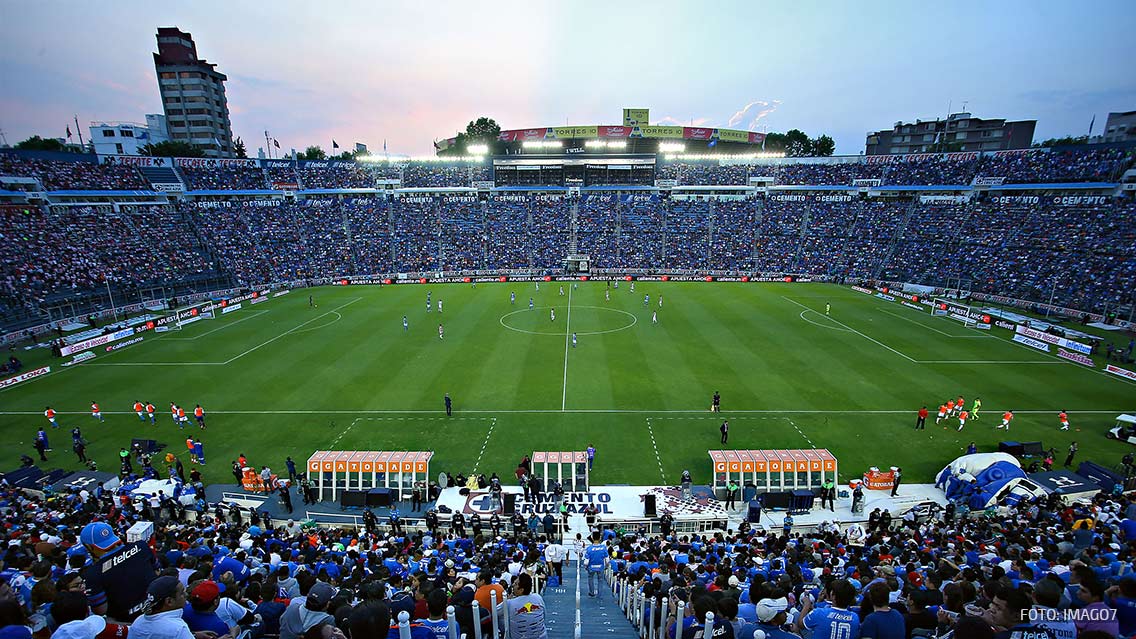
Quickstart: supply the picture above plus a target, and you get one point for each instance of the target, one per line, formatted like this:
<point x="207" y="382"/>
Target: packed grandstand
<point x="1033" y="225"/>
<point x="1036" y="226"/>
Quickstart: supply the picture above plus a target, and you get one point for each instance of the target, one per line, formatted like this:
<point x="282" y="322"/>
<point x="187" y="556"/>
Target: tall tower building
<point x="193" y="95"/>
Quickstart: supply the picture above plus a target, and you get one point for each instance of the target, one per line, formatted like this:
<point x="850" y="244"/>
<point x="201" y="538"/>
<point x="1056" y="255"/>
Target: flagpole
<point x="267" y="144"/>
<point x="79" y="130"/>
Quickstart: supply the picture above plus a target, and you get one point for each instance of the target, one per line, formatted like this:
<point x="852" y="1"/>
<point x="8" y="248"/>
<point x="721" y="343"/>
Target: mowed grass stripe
<point x="741" y="339"/>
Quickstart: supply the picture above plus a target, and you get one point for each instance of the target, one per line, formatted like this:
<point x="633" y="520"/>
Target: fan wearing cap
<point x="299" y="618"/>
<point x="118" y="574"/>
<point x="201" y="611"/>
<point x="165" y="598"/>
<point x="771" y="616"/>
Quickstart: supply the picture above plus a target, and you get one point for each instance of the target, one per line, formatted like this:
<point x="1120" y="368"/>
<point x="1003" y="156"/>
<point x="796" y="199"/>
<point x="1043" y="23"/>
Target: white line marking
<point x="651" y="432"/>
<point x="233" y="359"/>
<point x="922" y="325"/>
<point x="156" y="364"/>
<point x="832" y="328"/>
<point x="583" y="411"/>
<point x="874" y="341"/>
<point x="961" y="361"/>
<point x="492" y="425"/>
<point x="291" y="330"/>
<point x="220" y="328"/>
<point x="634" y="321"/>
<point x="743" y="417"/>
<point x="1058" y="360"/>
<point x="316" y="328"/>
<point x="567" y="338"/>
<point x="801" y="432"/>
<point x="349" y="427"/>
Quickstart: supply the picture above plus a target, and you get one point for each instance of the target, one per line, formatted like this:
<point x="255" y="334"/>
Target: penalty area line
<point x="838" y="322"/>
<point x="292" y="330"/>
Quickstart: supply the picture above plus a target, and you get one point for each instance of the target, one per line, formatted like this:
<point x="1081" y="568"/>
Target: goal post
<point x="967" y="315"/>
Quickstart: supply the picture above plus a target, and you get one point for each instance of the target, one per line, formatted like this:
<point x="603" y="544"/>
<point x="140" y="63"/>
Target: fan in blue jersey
<point x="834" y="620"/>
<point x="595" y="557"/>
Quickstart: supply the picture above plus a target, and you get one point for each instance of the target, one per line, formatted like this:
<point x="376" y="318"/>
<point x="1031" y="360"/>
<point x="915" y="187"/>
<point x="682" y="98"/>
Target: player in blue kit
<point x="512" y="298"/>
<point x="530" y="304"/>
<point x="405" y="324"/>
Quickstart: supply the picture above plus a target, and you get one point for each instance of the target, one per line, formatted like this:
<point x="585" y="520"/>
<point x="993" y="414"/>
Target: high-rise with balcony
<point x="193" y="95"/>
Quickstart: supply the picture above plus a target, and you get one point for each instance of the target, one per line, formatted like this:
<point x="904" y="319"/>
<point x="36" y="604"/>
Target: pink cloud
<point x="754" y="112"/>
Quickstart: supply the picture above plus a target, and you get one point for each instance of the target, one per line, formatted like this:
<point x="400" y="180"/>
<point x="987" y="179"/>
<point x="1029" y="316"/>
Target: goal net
<point x="967" y="315"/>
<point x="188" y="315"/>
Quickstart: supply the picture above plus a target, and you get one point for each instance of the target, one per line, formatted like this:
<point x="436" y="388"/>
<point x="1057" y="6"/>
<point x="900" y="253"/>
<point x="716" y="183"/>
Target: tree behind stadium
<point x="483" y="130"/>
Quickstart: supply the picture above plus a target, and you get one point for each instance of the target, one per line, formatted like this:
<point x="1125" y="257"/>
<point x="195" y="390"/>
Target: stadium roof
<point x="615" y="133"/>
<point x="1061" y="185"/>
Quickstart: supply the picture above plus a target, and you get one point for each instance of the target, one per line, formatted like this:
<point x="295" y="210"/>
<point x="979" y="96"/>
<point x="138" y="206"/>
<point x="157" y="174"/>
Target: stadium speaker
<point x="352" y="498"/>
<point x="754" y="514"/>
<point x="782" y="499"/>
<point x="510" y="504"/>
<point x="650" y="509"/>
<point x="1032" y="448"/>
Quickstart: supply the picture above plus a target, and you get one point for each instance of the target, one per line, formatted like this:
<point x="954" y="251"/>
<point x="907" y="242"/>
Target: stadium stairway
<point x="156" y="175"/>
<point x="600" y="615"/>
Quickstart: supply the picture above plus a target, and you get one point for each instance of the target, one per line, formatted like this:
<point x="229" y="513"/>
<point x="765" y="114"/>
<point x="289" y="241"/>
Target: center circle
<point x="532" y="322"/>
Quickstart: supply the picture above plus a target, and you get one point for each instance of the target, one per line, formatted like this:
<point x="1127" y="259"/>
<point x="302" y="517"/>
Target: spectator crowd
<point x="1081" y="255"/>
<point x="1043" y="569"/>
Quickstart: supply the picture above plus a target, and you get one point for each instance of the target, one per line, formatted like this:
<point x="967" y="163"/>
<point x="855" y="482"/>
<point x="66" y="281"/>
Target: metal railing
<point x="578" y="624"/>
<point x="648" y="615"/>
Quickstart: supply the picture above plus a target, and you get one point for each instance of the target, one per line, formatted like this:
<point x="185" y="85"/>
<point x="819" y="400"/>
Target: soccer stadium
<point x="630" y="380"/>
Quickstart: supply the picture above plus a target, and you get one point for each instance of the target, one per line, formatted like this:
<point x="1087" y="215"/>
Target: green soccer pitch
<point x="283" y="378"/>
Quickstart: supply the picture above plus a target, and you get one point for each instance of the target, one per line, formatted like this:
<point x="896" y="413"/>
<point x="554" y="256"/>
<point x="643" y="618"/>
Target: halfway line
<point x="609" y="411"/>
<point x="567" y="336"/>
